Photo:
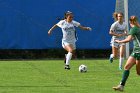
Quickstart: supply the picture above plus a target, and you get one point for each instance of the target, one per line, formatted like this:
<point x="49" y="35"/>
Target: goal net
<point x="129" y="8"/>
<point x="133" y="7"/>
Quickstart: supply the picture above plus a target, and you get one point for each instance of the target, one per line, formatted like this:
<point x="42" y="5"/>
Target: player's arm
<point x="84" y="28"/>
<point x="49" y="32"/>
<point x="124" y="34"/>
<point x="129" y="38"/>
<point x="111" y="32"/>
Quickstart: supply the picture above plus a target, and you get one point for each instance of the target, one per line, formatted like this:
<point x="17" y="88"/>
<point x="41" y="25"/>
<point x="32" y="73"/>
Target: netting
<point x="133" y="7"/>
<point x="119" y="6"/>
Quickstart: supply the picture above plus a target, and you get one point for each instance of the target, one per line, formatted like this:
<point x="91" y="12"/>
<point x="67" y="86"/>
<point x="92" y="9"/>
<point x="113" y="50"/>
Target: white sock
<point x="111" y="55"/>
<point x="65" y="55"/>
<point x="121" y="60"/>
<point x="68" y="58"/>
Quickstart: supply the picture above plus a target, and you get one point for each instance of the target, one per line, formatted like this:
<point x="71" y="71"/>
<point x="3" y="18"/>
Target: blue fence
<point x="24" y="23"/>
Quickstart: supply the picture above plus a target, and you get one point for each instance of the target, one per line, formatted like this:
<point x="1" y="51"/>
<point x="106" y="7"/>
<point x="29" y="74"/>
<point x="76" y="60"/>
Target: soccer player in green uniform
<point x="134" y="58"/>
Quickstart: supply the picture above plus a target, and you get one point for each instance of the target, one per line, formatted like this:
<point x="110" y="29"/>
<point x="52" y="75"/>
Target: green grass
<point x="49" y="76"/>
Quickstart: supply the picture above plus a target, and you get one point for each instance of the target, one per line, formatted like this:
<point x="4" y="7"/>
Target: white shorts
<point x="115" y="44"/>
<point x="65" y="43"/>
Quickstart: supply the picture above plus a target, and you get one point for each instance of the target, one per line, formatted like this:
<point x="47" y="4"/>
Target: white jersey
<point x="68" y="30"/>
<point x="118" y="29"/>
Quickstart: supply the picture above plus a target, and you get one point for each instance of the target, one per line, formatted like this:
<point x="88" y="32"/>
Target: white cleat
<point x="119" y="88"/>
<point x="120" y="68"/>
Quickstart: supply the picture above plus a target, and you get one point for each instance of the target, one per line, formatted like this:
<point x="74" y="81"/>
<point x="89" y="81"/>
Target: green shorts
<point x="135" y="55"/>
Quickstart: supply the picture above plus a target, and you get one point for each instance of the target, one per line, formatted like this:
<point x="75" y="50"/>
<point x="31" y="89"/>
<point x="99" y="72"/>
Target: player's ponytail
<point x="115" y="16"/>
<point x="134" y="20"/>
<point x="58" y="18"/>
<point x="66" y="14"/>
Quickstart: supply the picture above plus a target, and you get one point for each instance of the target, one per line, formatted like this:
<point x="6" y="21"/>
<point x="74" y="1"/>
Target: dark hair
<point x="67" y="14"/>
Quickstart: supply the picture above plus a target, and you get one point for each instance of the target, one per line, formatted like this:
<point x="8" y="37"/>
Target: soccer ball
<point x="82" y="68"/>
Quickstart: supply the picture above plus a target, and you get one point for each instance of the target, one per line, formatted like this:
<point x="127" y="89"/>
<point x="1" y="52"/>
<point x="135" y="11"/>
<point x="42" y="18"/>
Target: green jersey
<point x="135" y="32"/>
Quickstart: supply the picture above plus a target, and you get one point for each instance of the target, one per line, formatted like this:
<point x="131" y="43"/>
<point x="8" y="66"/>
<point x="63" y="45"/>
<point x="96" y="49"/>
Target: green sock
<point x="124" y="77"/>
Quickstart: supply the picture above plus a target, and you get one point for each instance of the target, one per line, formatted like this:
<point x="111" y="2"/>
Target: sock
<point x="124" y="77"/>
<point x="111" y="55"/>
<point x="65" y="58"/>
<point x="68" y="58"/>
<point x="121" y="62"/>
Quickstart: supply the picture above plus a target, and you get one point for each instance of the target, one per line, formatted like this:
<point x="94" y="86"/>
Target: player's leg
<point x="114" y="53"/>
<point x="114" y="49"/>
<point x="129" y="64"/>
<point x="121" y="59"/>
<point x="65" y="45"/>
<point x="138" y="67"/>
<point x="69" y="47"/>
<point x="73" y="55"/>
<point x="138" y="63"/>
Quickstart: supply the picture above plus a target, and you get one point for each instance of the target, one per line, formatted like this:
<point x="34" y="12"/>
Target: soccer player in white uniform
<point x="69" y="35"/>
<point x="118" y="31"/>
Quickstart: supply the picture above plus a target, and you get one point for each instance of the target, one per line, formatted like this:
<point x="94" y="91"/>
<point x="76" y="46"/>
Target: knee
<point x="71" y="52"/>
<point x="121" y="55"/>
<point x="126" y="67"/>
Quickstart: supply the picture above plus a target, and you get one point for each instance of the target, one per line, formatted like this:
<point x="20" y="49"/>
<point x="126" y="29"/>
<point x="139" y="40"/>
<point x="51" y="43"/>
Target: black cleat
<point x="111" y="60"/>
<point x="67" y="67"/>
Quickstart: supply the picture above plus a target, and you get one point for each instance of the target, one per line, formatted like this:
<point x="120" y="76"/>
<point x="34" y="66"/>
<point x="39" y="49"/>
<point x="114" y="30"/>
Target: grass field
<point x="49" y="76"/>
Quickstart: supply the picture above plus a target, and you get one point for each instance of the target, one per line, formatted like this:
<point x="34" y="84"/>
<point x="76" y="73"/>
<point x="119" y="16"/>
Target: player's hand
<point x="121" y="34"/>
<point x="49" y="32"/>
<point x="88" y="28"/>
<point x="118" y="41"/>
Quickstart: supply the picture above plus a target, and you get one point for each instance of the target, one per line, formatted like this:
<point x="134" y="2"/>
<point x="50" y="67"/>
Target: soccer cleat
<point x="67" y="67"/>
<point x="111" y="59"/>
<point x="120" y="68"/>
<point x="119" y="88"/>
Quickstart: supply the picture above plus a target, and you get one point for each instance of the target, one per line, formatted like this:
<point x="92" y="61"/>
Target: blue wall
<point x="24" y="23"/>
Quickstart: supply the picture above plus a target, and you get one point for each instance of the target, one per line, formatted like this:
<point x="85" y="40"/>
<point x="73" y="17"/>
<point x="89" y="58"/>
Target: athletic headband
<point x="68" y="12"/>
